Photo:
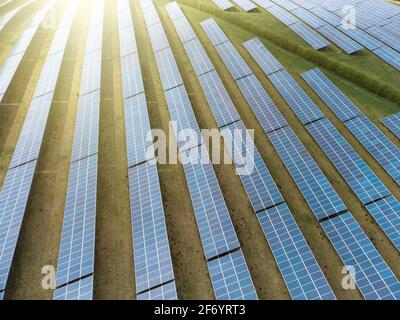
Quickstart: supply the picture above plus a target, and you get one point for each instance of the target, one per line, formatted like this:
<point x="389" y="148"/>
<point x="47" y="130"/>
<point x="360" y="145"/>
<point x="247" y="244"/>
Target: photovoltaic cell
<point x="389" y="55"/>
<point x="213" y="32"/>
<point x="223" y="4"/>
<point x="377" y="144"/>
<point x="127" y="41"/>
<point x="13" y="199"/>
<point x="264" y="3"/>
<point x="94" y="38"/>
<point x="231" y="278"/>
<point x="385" y="36"/>
<point x="257" y="180"/>
<point x="174" y="11"/>
<point x="76" y="256"/>
<point x="164" y="292"/>
<point x="309" y="35"/>
<point x="168" y="70"/>
<point x="361" y="37"/>
<point x="329" y="17"/>
<point x="386" y="212"/>
<point x="131" y="75"/>
<point x="262" y="56"/>
<point x="261" y="104"/>
<point x="282" y="15"/>
<point x="340" y="39"/>
<point x="79" y="290"/>
<point x="364" y="183"/>
<point x="213" y="220"/>
<point x="91" y="74"/>
<point x="158" y="37"/>
<point x="374" y="278"/>
<point x="218" y="98"/>
<point x="198" y="57"/>
<point x="339" y="104"/>
<point x="150" y="15"/>
<point x="393" y="123"/>
<point x="153" y="264"/>
<point x="184" y="30"/>
<point x="301" y="272"/>
<point x="308" y="17"/>
<point x="288" y="5"/>
<point x="315" y="187"/>
<point x="297" y="99"/>
<point x="245" y="5"/>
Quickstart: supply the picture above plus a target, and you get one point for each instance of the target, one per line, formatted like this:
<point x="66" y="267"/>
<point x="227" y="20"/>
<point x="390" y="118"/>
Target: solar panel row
<point x="340" y="39"/>
<point x="216" y="230"/>
<point x="393" y="123"/>
<point x="154" y="275"/>
<point x="245" y="5"/>
<point x="75" y="267"/>
<point x="309" y="36"/>
<point x="15" y="191"/>
<point x="223" y="4"/>
<point x="259" y="185"/>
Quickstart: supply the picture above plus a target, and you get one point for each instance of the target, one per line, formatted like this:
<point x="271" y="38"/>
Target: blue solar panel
<point x="165" y="292"/>
<point x="76" y="256"/>
<point x="245" y="5"/>
<point x="308" y="17"/>
<point x="262" y="56"/>
<point x="127" y="41"/>
<point x="315" y="187"/>
<point x="213" y="220"/>
<point x="385" y="36"/>
<point x="137" y="127"/>
<point x="231" y="278"/>
<point x="218" y="98"/>
<point x="264" y="3"/>
<point x="329" y="17"/>
<point x="168" y="70"/>
<point x="361" y="37"/>
<point x="301" y="272"/>
<point x="213" y="32"/>
<point x="364" y="183"/>
<point x="393" y="124"/>
<point x="257" y="180"/>
<point x="304" y="4"/>
<point x="339" y="104"/>
<point x="340" y="39"/>
<point x="386" y="212"/>
<point x="150" y="14"/>
<point x="48" y="78"/>
<point x="158" y="37"/>
<point x="174" y="10"/>
<point x="198" y="57"/>
<point x="233" y="60"/>
<point x="94" y="39"/>
<point x="309" y="36"/>
<point x="373" y="277"/>
<point x="223" y="4"/>
<point x="389" y="55"/>
<point x="91" y="74"/>
<point x="153" y="264"/>
<point x="184" y="29"/>
<point x="297" y="99"/>
<point x="131" y="75"/>
<point x="13" y="199"/>
<point x="261" y="104"/>
<point x="288" y="5"/>
<point x="282" y="15"/>
<point x="86" y="136"/>
<point x="79" y="290"/>
<point x="377" y="144"/>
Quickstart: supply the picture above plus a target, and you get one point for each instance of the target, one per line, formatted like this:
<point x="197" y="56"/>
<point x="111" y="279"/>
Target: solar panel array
<point x="257" y="181"/>
<point x="217" y="233"/>
<point x="75" y="268"/>
<point x="377" y="144"/>
<point x="393" y="124"/>
<point x="309" y="36"/>
<point x="15" y="191"/>
<point x="11" y="63"/>
<point x="382" y="206"/>
<point x="223" y="4"/>
<point x="245" y="5"/>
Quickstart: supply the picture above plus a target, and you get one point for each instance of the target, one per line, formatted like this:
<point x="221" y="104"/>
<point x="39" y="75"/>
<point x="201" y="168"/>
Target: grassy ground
<point x="114" y="273"/>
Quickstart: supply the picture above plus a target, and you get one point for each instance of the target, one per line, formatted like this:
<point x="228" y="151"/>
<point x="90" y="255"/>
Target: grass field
<point x="39" y="239"/>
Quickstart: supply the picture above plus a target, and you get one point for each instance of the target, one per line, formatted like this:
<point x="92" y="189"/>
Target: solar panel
<point x="198" y="57"/>
<point x="361" y="37"/>
<point x="245" y="5"/>
<point x="261" y="104"/>
<point x="184" y="30"/>
<point x="308" y="17"/>
<point x="31" y="136"/>
<point x="7" y="71"/>
<point x="174" y="10"/>
<point x="86" y="134"/>
<point x="13" y="200"/>
<point x="127" y="41"/>
<point x="282" y="15"/>
<point x="150" y="15"/>
<point x="304" y="4"/>
<point x="339" y="104"/>
<point x="91" y="73"/>
<point x="315" y="187"/>
<point x="257" y="180"/>
<point x="168" y="70"/>
<point x="340" y="39"/>
<point x="288" y="5"/>
<point x="231" y="278"/>
<point x="158" y="38"/>
<point x="213" y="32"/>
<point x="301" y="272"/>
<point x="309" y="35"/>
<point x="132" y="81"/>
<point x="373" y="277"/>
<point x="377" y="144"/>
<point x="386" y="212"/>
<point x="76" y="255"/>
<point x="213" y="220"/>
<point x="94" y="39"/>
<point x="79" y="290"/>
<point x="262" y="56"/>
<point x="385" y="36"/>
<point x="186" y="130"/>
<point x="264" y="3"/>
<point x="297" y="99"/>
<point x="124" y="18"/>
<point x="223" y="4"/>
<point x="389" y="55"/>
<point x="48" y="78"/>
<point x="393" y="124"/>
<point x="165" y="292"/>
<point x="364" y="183"/>
<point x="329" y="17"/>
<point x="153" y="264"/>
<point x="218" y="98"/>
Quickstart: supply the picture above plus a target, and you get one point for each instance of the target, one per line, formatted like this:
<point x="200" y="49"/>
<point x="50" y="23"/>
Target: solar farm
<point x="307" y="90"/>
